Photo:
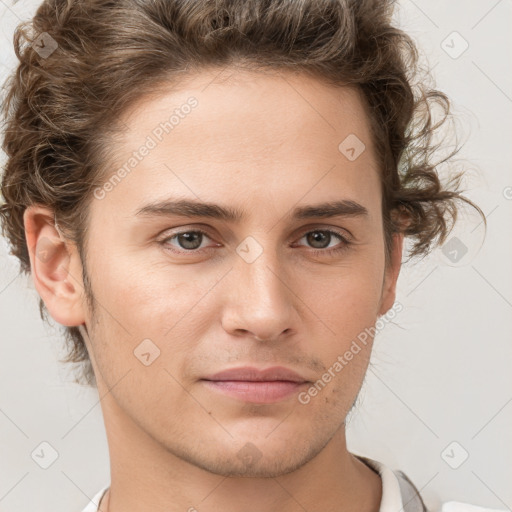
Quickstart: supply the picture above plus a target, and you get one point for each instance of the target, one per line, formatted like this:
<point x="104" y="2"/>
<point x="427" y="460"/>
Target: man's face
<point x="264" y="290"/>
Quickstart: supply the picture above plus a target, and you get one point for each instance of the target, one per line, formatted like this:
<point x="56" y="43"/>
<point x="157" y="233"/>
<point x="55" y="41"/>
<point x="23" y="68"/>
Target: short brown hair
<point x="60" y="109"/>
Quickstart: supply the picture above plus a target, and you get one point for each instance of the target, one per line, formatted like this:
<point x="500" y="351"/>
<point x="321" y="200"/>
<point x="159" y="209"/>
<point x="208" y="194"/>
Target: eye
<point x="190" y="241"/>
<point x="322" y="238"/>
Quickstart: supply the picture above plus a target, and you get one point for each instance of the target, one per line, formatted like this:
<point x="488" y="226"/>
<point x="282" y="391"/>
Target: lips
<point x="258" y="386"/>
<point x="249" y="373"/>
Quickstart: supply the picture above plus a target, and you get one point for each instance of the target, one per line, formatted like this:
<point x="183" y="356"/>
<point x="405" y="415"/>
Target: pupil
<point x="319" y="234"/>
<point x="184" y="239"/>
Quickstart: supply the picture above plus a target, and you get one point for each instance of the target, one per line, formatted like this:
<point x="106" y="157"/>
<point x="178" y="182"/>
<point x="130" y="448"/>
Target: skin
<point x="262" y="143"/>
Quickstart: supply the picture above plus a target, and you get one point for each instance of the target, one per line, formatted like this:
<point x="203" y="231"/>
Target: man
<point x="216" y="224"/>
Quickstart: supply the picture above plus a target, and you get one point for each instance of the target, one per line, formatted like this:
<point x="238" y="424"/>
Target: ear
<point x="55" y="267"/>
<point x="391" y="274"/>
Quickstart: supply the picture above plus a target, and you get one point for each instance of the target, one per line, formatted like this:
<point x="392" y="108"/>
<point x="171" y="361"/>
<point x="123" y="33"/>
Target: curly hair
<point x="61" y="107"/>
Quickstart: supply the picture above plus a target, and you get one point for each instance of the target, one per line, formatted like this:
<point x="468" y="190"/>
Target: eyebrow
<point x="193" y="208"/>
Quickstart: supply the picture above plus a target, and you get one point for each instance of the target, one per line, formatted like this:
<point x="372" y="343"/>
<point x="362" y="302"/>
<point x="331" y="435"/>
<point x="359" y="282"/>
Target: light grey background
<point x="439" y="385"/>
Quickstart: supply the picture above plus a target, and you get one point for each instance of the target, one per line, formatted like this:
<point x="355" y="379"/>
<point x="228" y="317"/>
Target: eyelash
<point x="319" y="252"/>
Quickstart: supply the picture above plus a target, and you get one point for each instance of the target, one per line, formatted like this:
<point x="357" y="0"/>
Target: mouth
<point x="254" y="385"/>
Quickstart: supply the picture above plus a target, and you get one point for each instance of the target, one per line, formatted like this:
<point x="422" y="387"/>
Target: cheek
<point x="146" y="296"/>
<point x="142" y="340"/>
<point x="348" y="301"/>
<point x="347" y="306"/>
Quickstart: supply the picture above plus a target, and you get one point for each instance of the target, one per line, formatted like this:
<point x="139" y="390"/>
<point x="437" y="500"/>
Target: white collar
<point x="391" y="500"/>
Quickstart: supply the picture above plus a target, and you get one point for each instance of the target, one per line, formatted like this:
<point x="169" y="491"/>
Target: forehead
<point x="248" y="133"/>
<point x="266" y="107"/>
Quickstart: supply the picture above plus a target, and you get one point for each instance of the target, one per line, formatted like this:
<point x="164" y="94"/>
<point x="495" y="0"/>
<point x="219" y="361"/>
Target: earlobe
<point x="52" y="265"/>
<point x="391" y="274"/>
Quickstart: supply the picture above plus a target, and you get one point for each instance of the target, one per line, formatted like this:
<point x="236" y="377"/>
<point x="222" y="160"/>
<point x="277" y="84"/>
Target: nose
<point x="261" y="301"/>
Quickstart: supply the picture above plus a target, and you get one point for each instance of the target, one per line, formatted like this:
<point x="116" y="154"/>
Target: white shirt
<point x="398" y="494"/>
